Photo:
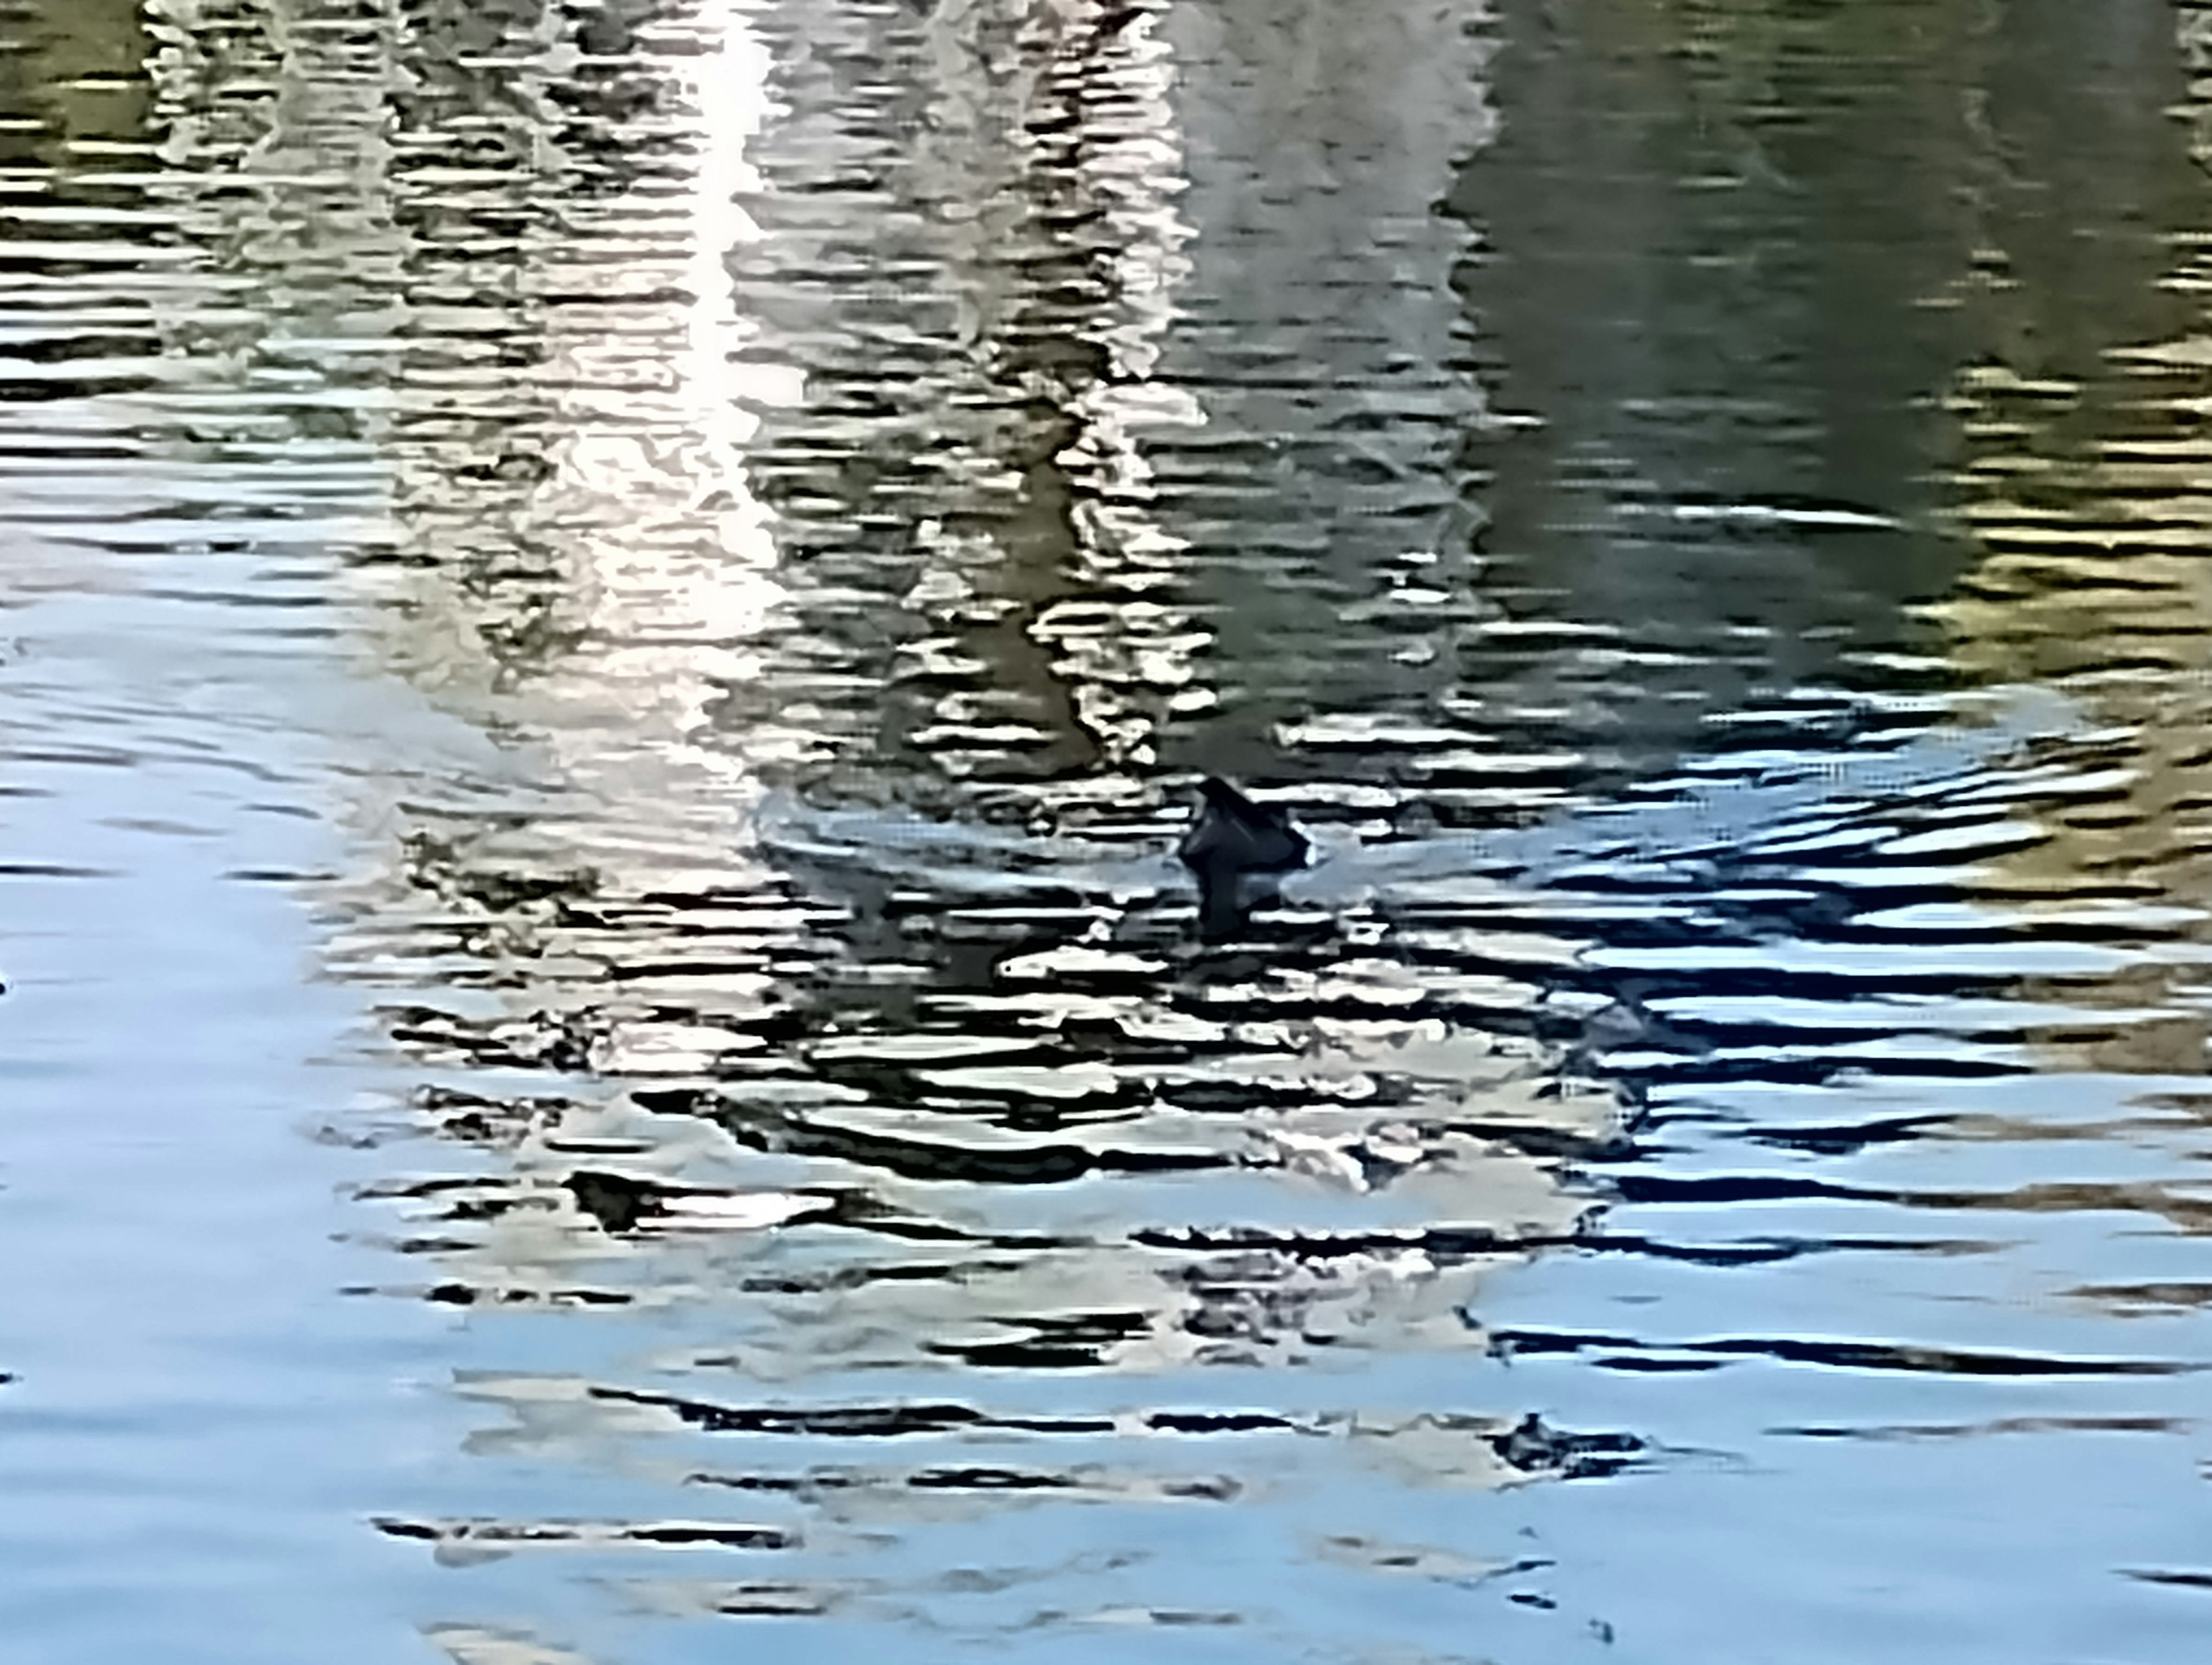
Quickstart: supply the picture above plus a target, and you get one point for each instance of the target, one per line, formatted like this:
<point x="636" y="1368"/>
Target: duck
<point x="1232" y="841"/>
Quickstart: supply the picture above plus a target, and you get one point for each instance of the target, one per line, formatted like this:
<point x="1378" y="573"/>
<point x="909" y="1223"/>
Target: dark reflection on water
<point x="746" y="523"/>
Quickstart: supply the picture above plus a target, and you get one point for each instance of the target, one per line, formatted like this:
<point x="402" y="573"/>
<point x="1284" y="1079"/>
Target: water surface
<point x="610" y="617"/>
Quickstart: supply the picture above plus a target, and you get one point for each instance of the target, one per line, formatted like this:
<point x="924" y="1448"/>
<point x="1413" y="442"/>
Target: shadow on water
<point x="772" y="509"/>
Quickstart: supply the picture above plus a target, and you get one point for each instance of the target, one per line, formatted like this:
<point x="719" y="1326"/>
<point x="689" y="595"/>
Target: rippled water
<point x="610" y="615"/>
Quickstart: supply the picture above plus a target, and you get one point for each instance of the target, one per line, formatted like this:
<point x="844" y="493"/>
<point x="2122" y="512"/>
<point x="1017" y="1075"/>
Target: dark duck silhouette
<point x="1236" y="847"/>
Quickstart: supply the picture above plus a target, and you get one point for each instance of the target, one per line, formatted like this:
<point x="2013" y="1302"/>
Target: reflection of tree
<point x="74" y="90"/>
<point x="1712" y="231"/>
<point x="1320" y="501"/>
<point x="966" y="517"/>
<point x="82" y="339"/>
<point x="73" y="96"/>
<point x="2082" y="488"/>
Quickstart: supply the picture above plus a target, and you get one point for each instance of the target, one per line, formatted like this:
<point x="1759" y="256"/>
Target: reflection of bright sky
<point x="1133" y="168"/>
<point x="649" y="459"/>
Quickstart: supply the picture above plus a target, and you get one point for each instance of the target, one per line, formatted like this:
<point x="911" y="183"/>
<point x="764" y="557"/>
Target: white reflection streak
<point x="730" y="93"/>
<point x="680" y="550"/>
<point x="1134" y="170"/>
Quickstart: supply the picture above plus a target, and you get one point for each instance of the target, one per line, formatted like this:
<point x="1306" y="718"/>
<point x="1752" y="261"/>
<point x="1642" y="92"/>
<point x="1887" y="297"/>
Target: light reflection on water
<point x="707" y="544"/>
